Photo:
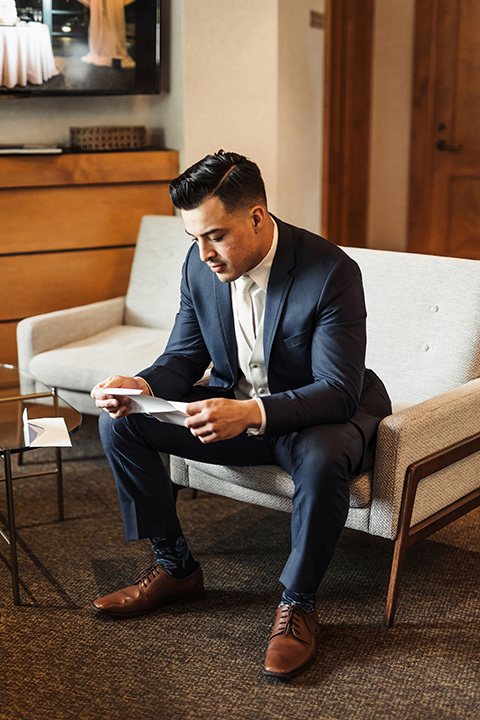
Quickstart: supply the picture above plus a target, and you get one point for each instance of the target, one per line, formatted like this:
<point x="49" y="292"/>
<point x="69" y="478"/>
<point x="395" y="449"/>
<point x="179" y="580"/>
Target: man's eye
<point x="211" y="239"/>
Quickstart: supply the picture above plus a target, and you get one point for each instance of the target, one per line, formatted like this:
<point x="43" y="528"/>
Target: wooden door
<point x="445" y="165"/>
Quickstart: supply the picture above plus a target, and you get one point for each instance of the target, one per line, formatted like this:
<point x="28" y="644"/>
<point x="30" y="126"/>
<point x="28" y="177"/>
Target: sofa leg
<point x="399" y="552"/>
<point x="177" y="488"/>
<point x="403" y="540"/>
<point x="408" y="535"/>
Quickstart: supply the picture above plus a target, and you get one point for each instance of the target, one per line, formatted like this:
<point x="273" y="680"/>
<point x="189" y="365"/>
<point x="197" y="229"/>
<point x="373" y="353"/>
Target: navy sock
<point x="172" y="553"/>
<point x="305" y="600"/>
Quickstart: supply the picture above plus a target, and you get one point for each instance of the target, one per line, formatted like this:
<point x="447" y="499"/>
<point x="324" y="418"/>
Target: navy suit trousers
<point x="321" y="460"/>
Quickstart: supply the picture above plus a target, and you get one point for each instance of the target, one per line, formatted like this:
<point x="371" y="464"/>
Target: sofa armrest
<point x="412" y="434"/>
<point x="40" y="333"/>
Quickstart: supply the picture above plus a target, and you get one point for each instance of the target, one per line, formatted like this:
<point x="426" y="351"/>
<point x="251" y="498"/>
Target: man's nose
<point x="206" y="250"/>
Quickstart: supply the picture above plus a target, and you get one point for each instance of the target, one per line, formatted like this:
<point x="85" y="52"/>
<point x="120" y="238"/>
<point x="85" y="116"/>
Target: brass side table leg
<point x="58" y="454"/>
<point x="12" y="535"/>
<point x="20" y="441"/>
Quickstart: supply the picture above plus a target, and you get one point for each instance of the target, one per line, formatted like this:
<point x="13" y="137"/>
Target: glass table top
<point x="16" y="390"/>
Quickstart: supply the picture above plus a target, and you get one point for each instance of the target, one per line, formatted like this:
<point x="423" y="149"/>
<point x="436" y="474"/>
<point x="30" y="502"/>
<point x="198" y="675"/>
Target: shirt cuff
<point x="262" y="428"/>
<point x="137" y="377"/>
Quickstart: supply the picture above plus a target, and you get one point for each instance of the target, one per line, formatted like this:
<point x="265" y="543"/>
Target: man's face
<point x="230" y="243"/>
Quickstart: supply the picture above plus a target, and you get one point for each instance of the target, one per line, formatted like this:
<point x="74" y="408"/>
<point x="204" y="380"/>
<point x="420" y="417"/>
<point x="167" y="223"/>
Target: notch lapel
<point x="281" y="278"/>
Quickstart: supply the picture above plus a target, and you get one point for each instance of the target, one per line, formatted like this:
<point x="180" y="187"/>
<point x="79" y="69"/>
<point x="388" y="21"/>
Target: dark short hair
<point x="231" y="177"/>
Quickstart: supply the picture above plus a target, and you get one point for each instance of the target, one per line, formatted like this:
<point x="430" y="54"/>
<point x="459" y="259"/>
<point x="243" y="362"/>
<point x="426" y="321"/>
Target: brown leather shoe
<point x="153" y="588"/>
<point x="293" y="644"/>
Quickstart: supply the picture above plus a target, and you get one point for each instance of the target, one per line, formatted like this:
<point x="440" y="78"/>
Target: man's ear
<point x="258" y="214"/>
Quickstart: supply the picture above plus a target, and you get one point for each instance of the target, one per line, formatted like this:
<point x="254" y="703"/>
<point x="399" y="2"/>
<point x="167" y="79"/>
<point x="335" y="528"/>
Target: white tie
<point x="243" y="286"/>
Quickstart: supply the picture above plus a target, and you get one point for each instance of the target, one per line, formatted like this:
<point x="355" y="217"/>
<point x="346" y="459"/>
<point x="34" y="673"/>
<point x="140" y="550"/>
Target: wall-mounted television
<point x="80" y="47"/>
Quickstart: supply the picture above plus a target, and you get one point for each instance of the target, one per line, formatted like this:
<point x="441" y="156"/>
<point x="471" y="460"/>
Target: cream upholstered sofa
<point x="74" y="349"/>
<point x="423" y="341"/>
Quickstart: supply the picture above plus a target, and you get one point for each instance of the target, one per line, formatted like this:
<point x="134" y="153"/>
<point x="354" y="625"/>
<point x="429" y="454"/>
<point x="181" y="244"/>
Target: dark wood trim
<point x="346" y="147"/>
<point x="421" y="139"/>
<point x="31" y="253"/>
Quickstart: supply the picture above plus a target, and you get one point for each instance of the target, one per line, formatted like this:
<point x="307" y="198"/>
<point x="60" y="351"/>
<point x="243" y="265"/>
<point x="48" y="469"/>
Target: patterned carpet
<point x="203" y="660"/>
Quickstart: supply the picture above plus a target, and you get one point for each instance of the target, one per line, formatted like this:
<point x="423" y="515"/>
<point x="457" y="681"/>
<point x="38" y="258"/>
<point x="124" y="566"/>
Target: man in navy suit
<point x="279" y="314"/>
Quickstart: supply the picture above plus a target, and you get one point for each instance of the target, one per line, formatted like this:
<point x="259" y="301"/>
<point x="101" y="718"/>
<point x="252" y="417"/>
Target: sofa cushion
<point x="422" y="323"/>
<point x="271" y="480"/>
<point x="153" y="295"/>
<point x="81" y="365"/>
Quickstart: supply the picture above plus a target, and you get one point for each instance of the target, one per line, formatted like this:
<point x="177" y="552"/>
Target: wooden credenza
<point x="68" y="227"/>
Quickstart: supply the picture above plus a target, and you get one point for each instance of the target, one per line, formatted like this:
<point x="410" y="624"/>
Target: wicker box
<point x="98" y="138"/>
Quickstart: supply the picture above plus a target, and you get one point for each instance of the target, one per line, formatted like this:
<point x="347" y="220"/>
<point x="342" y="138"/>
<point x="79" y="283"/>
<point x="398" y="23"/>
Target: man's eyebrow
<point x="206" y="234"/>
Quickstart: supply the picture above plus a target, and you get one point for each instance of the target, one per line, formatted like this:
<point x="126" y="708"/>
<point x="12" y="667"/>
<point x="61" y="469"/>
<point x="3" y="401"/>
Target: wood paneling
<point x="8" y="343"/>
<point x="41" y="283"/>
<point x="69" y="225"/>
<point x="88" y="168"/>
<point x="77" y="216"/>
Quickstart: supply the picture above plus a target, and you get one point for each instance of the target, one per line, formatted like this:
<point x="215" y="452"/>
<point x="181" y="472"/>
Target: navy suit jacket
<point x="314" y="338"/>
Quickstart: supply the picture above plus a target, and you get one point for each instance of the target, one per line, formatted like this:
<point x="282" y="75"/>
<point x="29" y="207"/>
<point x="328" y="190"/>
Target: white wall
<point x="254" y="84"/>
<point x="47" y="120"/>
<point x="231" y="82"/>
<point x="168" y="110"/>
<point x="390" y="128"/>
<point x="300" y="114"/>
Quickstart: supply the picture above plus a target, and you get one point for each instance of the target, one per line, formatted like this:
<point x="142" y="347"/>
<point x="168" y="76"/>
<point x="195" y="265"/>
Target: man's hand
<point x="117" y="406"/>
<point x="221" y="419"/>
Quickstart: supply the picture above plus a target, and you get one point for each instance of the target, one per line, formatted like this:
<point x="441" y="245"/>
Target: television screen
<point x="78" y="47"/>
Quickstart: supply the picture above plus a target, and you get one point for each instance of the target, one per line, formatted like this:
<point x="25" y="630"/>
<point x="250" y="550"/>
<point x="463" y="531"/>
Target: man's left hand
<point x="221" y="419"/>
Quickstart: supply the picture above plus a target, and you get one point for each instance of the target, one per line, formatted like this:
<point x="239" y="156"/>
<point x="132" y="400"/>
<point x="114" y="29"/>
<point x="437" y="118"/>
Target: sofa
<point x="423" y="341"/>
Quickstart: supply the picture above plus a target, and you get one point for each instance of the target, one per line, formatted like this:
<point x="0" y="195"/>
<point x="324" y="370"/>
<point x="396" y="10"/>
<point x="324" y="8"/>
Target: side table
<point x="44" y="402"/>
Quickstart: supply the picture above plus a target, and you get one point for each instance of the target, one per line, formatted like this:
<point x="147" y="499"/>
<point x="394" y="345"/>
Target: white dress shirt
<point x="253" y="384"/>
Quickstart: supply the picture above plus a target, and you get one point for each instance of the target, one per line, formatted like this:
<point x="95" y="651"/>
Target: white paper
<point x="45" y="432"/>
<point x="121" y="391"/>
<point x="30" y="150"/>
<point x="165" y="410"/>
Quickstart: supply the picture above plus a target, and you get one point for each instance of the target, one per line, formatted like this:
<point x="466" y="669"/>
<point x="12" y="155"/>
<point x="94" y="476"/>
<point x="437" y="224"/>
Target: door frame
<point x="346" y="123"/>
<point x="422" y="135"/>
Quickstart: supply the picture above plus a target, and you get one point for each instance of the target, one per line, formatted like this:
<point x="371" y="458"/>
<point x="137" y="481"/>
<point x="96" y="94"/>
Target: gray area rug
<point x="204" y="660"/>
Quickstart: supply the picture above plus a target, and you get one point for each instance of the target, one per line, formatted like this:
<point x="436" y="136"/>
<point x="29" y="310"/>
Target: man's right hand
<point x="117" y="406"/>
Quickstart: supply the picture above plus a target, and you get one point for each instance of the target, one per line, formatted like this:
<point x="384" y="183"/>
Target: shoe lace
<point x="146" y="576"/>
<point x="289" y="619"/>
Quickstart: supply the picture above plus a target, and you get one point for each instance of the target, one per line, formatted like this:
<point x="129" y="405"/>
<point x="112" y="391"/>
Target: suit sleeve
<point x="336" y="343"/>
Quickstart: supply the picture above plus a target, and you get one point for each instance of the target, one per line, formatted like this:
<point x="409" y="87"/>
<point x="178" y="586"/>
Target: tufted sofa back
<point x="153" y="295"/>
<point x="423" y="321"/>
